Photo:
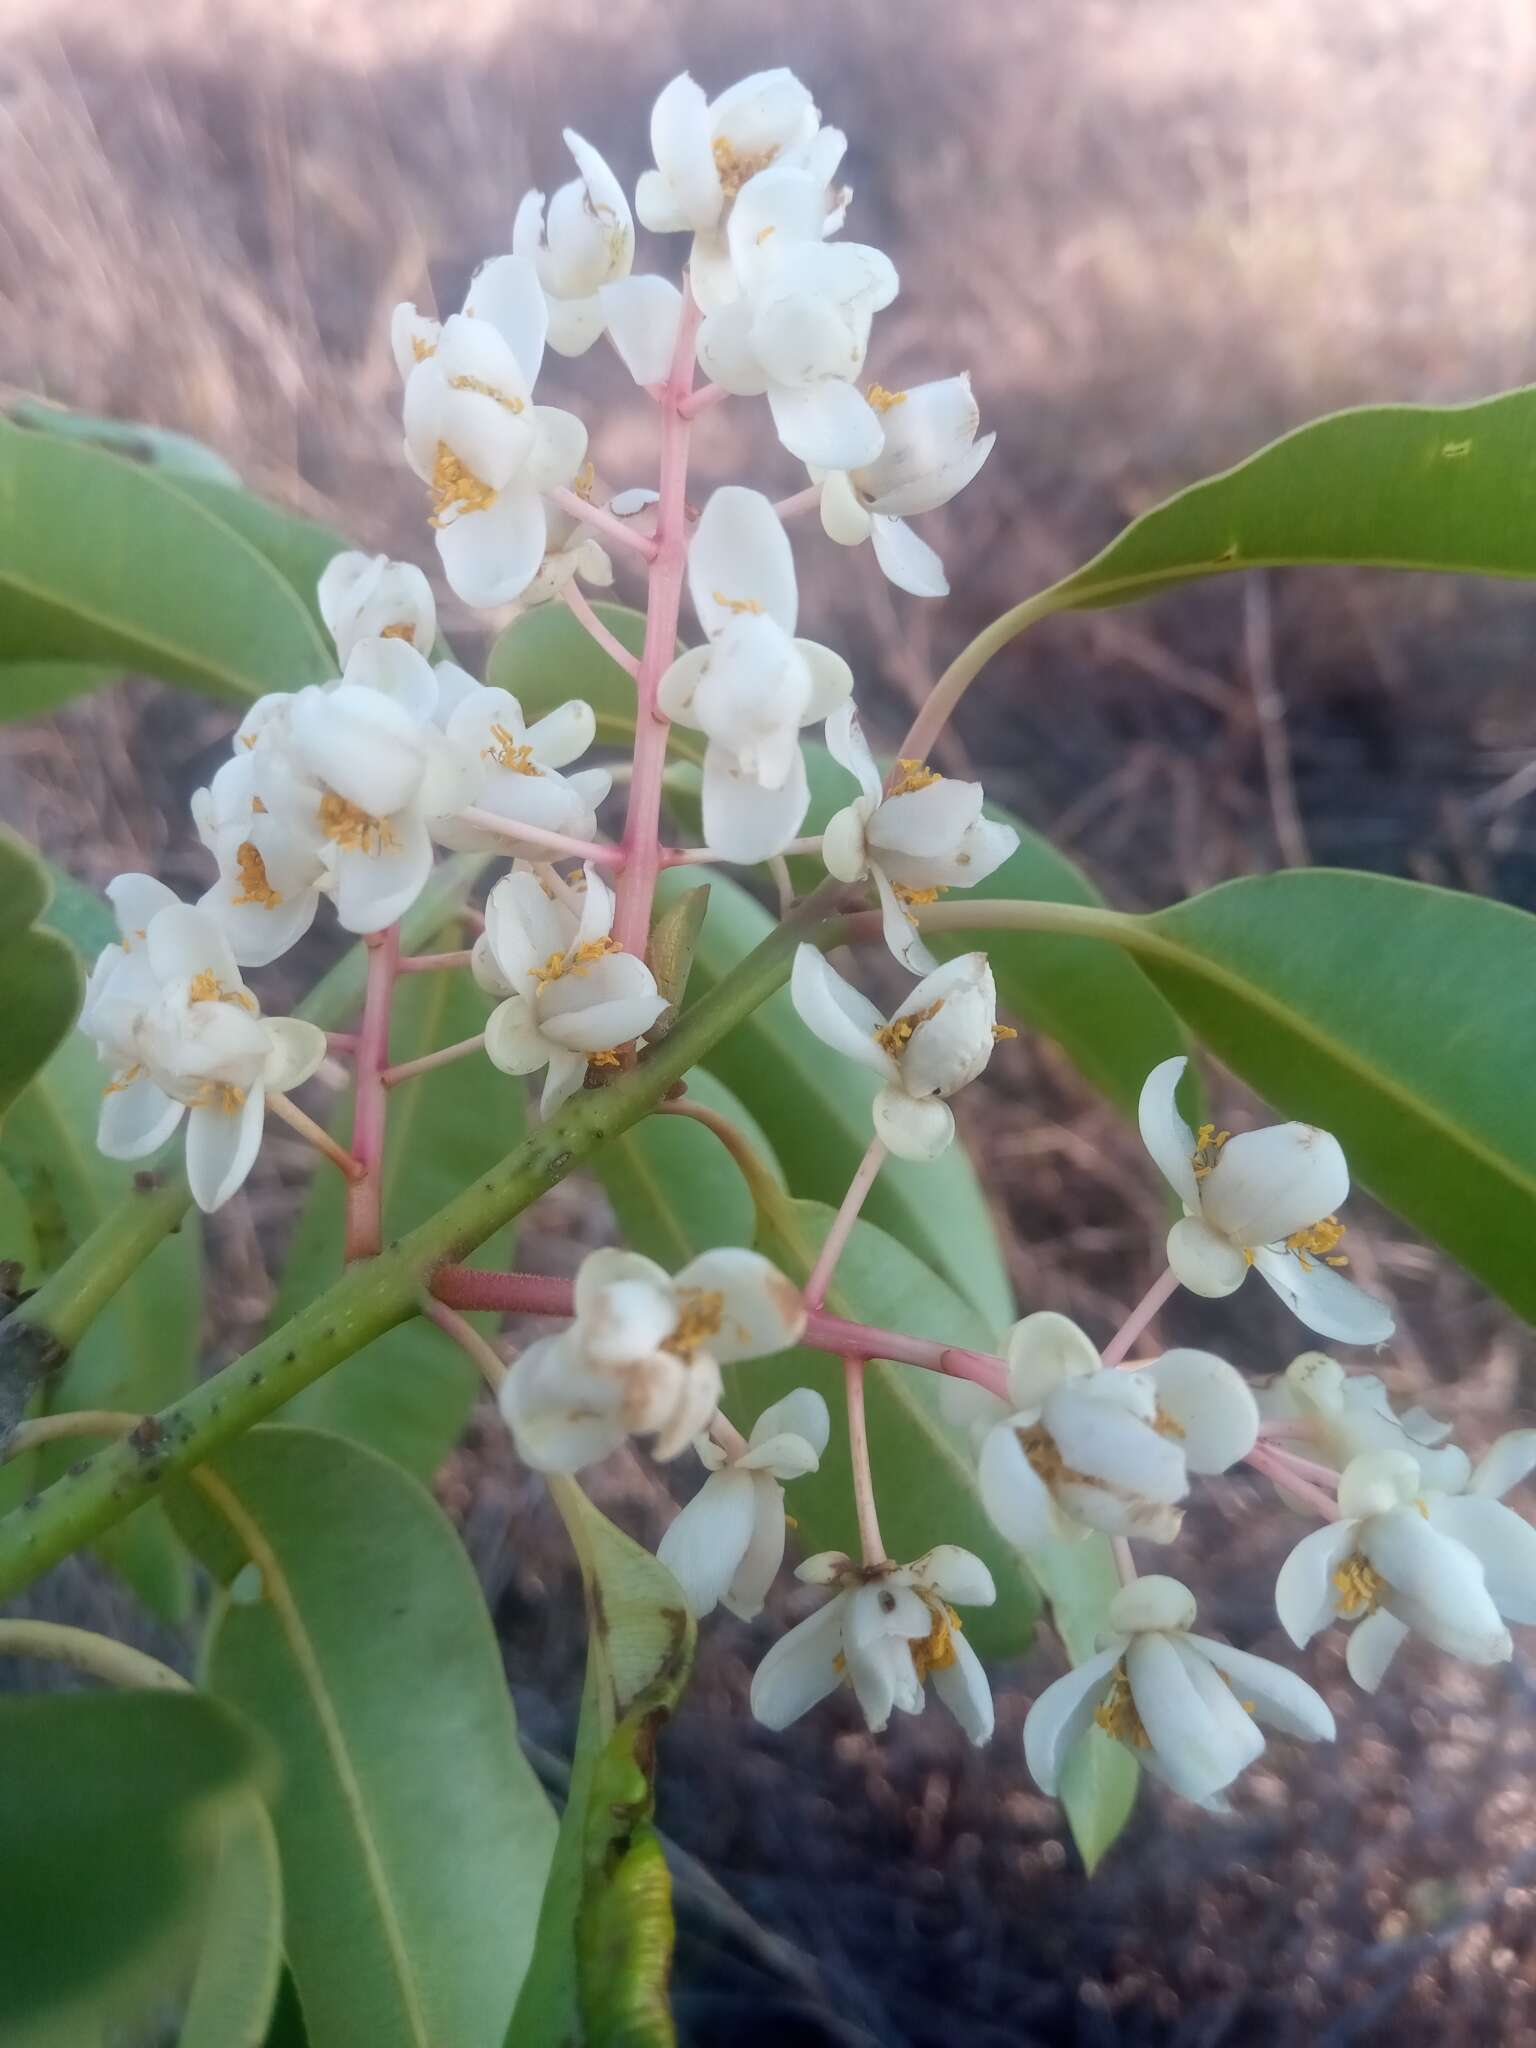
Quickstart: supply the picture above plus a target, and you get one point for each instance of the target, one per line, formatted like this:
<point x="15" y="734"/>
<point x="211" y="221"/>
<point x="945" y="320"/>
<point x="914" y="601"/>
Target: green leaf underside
<point x="408" y="1393"/>
<point x="32" y="689"/>
<point x="415" y="1839"/>
<point x="814" y="1107"/>
<point x="604" y="1946"/>
<point x="241" y="1958"/>
<point x="1390" y="486"/>
<point x="141" y="1351"/>
<point x="110" y="563"/>
<point x="1397" y="1015"/>
<point x="117" y="1810"/>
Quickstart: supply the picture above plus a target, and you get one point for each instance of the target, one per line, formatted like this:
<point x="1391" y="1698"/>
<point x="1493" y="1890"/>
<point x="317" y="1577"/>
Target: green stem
<point x="83" y="1650"/>
<point x="376" y="1294"/>
<point x="969" y="663"/>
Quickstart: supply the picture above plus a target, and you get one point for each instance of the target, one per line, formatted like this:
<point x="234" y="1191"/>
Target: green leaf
<point x="925" y="1474"/>
<point x="547" y="656"/>
<point x="38" y="971"/>
<point x="415" y="1839"/>
<point x="1390" y="486"/>
<point x="141" y="1351"/>
<point x="408" y="1393"/>
<point x="156" y="447"/>
<point x="675" y="1189"/>
<point x="298" y="549"/>
<point x="604" y="1947"/>
<point x="1400" y="1017"/>
<point x="1098" y="1791"/>
<point x="110" y="563"/>
<point x="117" y="1810"/>
<point x="241" y="1959"/>
<point x="31" y="689"/>
<point x="815" y="1111"/>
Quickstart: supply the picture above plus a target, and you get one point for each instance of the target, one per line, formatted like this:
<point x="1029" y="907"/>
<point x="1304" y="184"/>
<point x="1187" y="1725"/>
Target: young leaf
<point x="599" y="1969"/>
<point x="407" y="1394"/>
<point x="415" y="1839"/>
<point x="815" y="1110"/>
<point x="107" y="562"/>
<point x="117" y="1812"/>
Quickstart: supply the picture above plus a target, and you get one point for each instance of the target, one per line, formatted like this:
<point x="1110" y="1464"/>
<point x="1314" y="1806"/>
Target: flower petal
<point x="1265" y="1184"/>
<point x="963" y="1688"/>
<point x="686" y="191"/>
<point x="642" y="315"/>
<point x="298" y="1048"/>
<point x="1371" y="1647"/>
<point x="926" y="822"/>
<point x="1503" y="1543"/>
<point x="840" y="1015"/>
<point x="955" y="1574"/>
<point x="907" y="559"/>
<point x="740" y="556"/>
<point x="1016" y="1499"/>
<point x="898" y="927"/>
<point x="1507" y="1462"/>
<point x="849" y="748"/>
<point x="919" y="1131"/>
<point x="1062" y="1715"/>
<point x="1200" y="1736"/>
<point x="1325" y="1300"/>
<point x="1305" y="1595"/>
<point x="1204" y="1261"/>
<point x="1282" y="1700"/>
<point x="136" y="1119"/>
<point x="704" y="1544"/>
<point x="801" y="1669"/>
<point x="748" y="1591"/>
<point x="221" y="1149"/>
<point x="762" y="1312"/>
<point x="830" y="424"/>
<point x="490" y="557"/>
<point x="1166" y="1135"/>
<point x="1212" y="1404"/>
<point x="743" y="821"/>
<point x="184" y="943"/>
<point x="801" y="1413"/>
<point x="506" y="293"/>
<point x="1046" y="1350"/>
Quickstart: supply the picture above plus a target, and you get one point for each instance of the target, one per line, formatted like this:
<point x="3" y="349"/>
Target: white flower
<point x="1188" y="1708"/>
<point x="926" y="834"/>
<point x="1400" y="1562"/>
<point x="181" y="1033"/>
<point x="512" y="769"/>
<point x="589" y="241"/>
<point x="727" y="1544"/>
<point x="643" y="1356"/>
<point x="575" y="997"/>
<point x="708" y="152"/>
<point x="887" y="1630"/>
<point x="940" y="1038"/>
<point x="930" y="453"/>
<point x="754" y="685"/>
<point x="569" y="551"/>
<point x="1106" y="1449"/>
<point x="799" y="330"/>
<point x="365" y="597"/>
<point x="474" y="435"/>
<point x="368" y="769"/>
<point x="271" y="872"/>
<point x="642" y="315"/>
<point x="1263" y="1199"/>
<point x="1351" y="1413"/>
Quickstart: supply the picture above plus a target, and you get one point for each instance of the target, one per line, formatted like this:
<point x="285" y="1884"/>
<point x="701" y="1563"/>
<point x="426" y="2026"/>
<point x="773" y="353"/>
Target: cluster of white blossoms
<point x="346" y="789"/>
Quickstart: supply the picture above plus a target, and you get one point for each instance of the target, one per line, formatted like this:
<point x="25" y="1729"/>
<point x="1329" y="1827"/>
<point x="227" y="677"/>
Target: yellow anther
<point x="254" y="886"/>
<point x="585" y="482"/>
<point x="402" y="629"/>
<point x="1359" y="1586"/>
<point x="478" y="384"/>
<point x="220" y="1095"/>
<point x="611" y="1058"/>
<point x="507" y="753"/>
<point x="905" y="895"/>
<point x="883" y="400"/>
<point x="1039" y="1447"/>
<point x="699" y="1318"/>
<point x="1316" y="1242"/>
<point x="763" y="234"/>
<point x="936" y="1652"/>
<point x="1116" y="1713"/>
<point x="349" y="826"/>
<point x="421" y="348"/>
<point x="736" y="166"/>
<point x="206" y="987"/>
<point x="258" y="808"/>
<point x="1208" y="1144"/>
<point x="749" y="605"/>
<point x="559" y="965"/>
<point x="895" y="1037"/>
<point x="1001" y="1032"/>
<point x="1163" y="1424"/>
<point x="124" y="1080"/>
<point x="455" y="488"/>
<point x="912" y="775"/>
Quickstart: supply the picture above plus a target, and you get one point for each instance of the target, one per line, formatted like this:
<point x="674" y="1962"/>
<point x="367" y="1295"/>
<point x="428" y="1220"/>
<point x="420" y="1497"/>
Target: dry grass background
<point x="1158" y="233"/>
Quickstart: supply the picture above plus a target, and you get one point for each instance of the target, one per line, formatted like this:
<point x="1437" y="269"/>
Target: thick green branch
<point x="375" y="1294"/>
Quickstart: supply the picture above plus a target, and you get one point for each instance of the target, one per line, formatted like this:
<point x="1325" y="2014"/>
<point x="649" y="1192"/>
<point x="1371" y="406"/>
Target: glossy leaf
<point x="141" y="1351"/>
<point x="41" y="977"/>
<point x="675" y="1189"/>
<point x="117" y="1807"/>
<point x="415" y="1840"/>
<point x="408" y="1393"/>
<point x="1098" y="1787"/>
<point x="240" y="1960"/>
<point x="156" y="447"/>
<point x="32" y="689"/>
<point x="298" y="549"/>
<point x="1390" y="486"/>
<point x="1400" y="1017"/>
<point x="547" y="656"/>
<point x="111" y="563"/>
<point x="604" y="1946"/>
<point x="814" y="1108"/>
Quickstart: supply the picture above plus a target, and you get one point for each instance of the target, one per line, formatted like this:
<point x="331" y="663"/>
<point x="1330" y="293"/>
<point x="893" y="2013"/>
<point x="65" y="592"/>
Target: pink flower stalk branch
<point x="606" y="523"/>
<point x="1140" y="1316"/>
<point x="364" y="1196"/>
<point x="577" y="603"/>
<point x="842" y="1224"/>
<point x="445" y="1055"/>
<point x="430" y="963"/>
<point x="1282" y="1470"/>
<point x="558" y="845"/>
<point x="642" y="824"/>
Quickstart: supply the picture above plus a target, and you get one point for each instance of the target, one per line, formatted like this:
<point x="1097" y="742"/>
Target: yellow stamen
<point x="883" y="400"/>
<point x="895" y="1037"/>
<point x="508" y="754"/>
<point x="585" y="482"/>
<point x="1164" y="1425"/>
<point x="1359" y="1586"/>
<point x="258" y="808"/>
<point x="503" y="398"/>
<point x="1039" y="1447"/>
<point x="1116" y="1713"/>
<point x="936" y="1652"/>
<point x="455" y="488"/>
<point x="1208" y="1144"/>
<point x="254" y="886"/>
<point x="611" y="1058"/>
<point x="699" y="1319"/>
<point x="421" y="348"/>
<point x="1318" y="1239"/>
<point x="912" y="775"/>
<point x="1001" y="1032"/>
<point x="763" y="234"/>
<point x="738" y="605"/>
<point x="349" y="826"/>
<point x="124" y="1080"/>
<point x="559" y="965"/>
<point x="735" y="167"/>
<point x="221" y="1095"/>
<point x="402" y="629"/>
<point x="206" y="987"/>
<point x="905" y="895"/>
